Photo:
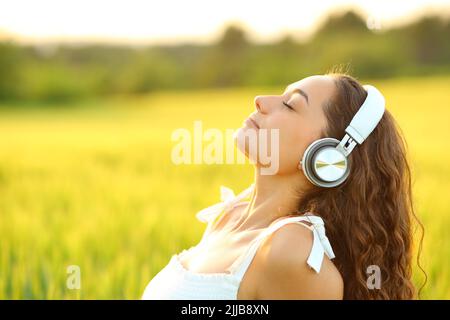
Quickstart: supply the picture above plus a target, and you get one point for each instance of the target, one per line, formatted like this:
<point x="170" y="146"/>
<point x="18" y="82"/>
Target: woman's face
<point x="298" y="125"/>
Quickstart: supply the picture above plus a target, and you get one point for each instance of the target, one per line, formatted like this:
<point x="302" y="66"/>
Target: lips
<point x="252" y="122"/>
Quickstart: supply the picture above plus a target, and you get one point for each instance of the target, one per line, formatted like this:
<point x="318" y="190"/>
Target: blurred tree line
<point x="64" y="72"/>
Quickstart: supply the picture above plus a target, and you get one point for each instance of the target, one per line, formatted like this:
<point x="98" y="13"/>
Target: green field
<point x="93" y="185"/>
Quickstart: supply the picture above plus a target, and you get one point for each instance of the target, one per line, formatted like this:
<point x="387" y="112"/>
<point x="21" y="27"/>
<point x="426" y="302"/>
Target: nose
<point x="258" y="103"/>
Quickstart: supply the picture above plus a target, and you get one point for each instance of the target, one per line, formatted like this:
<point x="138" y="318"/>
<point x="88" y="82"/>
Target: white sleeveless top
<point x="175" y="282"/>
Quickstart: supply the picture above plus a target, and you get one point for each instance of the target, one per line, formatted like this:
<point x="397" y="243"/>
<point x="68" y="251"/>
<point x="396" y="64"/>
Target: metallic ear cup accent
<point x="329" y="164"/>
<point x="324" y="165"/>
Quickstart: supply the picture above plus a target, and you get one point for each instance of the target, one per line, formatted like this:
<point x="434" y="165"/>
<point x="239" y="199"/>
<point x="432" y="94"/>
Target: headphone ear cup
<point x="319" y="148"/>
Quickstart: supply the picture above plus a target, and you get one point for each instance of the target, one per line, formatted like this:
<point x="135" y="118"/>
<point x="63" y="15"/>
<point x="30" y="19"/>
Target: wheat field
<point x="92" y="184"/>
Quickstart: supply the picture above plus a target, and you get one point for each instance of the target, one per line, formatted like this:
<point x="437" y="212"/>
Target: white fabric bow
<point x="321" y="244"/>
<point x="228" y="202"/>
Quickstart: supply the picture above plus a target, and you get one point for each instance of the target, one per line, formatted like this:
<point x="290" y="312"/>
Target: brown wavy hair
<point x="369" y="218"/>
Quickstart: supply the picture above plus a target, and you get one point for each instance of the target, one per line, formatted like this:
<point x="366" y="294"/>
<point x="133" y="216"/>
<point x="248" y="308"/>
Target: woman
<point x="274" y="245"/>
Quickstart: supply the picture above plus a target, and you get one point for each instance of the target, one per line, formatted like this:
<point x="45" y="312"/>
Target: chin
<point x="269" y="161"/>
<point x="242" y="143"/>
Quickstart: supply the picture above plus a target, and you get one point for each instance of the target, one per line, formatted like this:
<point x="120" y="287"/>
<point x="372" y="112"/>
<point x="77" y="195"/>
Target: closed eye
<point x="288" y="105"/>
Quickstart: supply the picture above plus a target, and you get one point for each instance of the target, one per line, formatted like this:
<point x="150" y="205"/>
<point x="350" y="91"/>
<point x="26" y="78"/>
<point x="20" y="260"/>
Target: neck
<point x="273" y="197"/>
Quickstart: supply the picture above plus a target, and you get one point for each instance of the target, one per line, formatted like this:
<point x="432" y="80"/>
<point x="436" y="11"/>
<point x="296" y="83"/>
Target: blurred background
<point x="91" y="91"/>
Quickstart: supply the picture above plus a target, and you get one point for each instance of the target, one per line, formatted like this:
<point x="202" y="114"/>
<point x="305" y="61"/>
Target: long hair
<point x="370" y="216"/>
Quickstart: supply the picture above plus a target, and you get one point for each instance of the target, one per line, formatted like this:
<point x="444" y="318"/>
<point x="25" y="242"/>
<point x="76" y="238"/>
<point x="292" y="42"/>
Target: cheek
<point x="290" y="146"/>
<point x="295" y="137"/>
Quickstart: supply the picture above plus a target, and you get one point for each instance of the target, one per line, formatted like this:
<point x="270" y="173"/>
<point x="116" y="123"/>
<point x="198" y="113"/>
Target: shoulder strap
<point x="320" y="246"/>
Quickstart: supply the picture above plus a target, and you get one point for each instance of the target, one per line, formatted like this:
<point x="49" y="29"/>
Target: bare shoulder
<point x="285" y="273"/>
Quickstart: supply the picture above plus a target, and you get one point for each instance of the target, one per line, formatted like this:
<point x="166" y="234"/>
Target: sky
<point x="192" y="21"/>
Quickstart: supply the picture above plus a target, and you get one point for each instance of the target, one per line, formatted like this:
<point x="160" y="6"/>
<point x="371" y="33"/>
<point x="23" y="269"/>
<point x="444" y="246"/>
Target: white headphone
<point x="325" y="162"/>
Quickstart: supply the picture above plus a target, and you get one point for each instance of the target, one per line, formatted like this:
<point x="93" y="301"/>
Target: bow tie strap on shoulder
<point x="228" y="202"/>
<point x="321" y="244"/>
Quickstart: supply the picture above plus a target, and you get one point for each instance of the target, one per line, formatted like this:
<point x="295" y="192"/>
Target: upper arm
<point x="285" y="273"/>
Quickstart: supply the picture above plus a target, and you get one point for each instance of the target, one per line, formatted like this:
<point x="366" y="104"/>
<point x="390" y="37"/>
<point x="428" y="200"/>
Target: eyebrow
<point x="300" y="91"/>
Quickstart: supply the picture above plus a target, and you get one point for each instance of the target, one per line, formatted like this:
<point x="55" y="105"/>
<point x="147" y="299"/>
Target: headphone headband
<point x="368" y="116"/>
<point x="364" y="121"/>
